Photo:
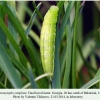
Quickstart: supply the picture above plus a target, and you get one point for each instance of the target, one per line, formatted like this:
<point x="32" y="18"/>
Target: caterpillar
<point x="47" y="40"/>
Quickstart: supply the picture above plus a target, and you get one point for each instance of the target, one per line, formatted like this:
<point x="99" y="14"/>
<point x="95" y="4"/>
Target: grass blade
<point x="9" y="69"/>
<point x="14" y="44"/>
<point x="2" y="35"/>
<point x="2" y="76"/>
<point x="98" y="73"/>
<point x="74" y="46"/>
<point x="12" y="7"/>
<point x="21" y="32"/>
<point x="36" y="56"/>
<point x="33" y="35"/>
<point x="91" y="82"/>
<point x="2" y="86"/>
<point x="87" y="49"/>
<point x="86" y="63"/>
<point x="56" y="82"/>
<point x="60" y="5"/>
<point x="65" y="19"/>
<point x="39" y="14"/>
<point x="43" y="81"/>
<point x="63" y="60"/>
<point x="22" y="8"/>
<point x="68" y="56"/>
<point x="32" y="19"/>
<point x="95" y="80"/>
<point x="33" y="83"/>
<point x="18" y="65"/>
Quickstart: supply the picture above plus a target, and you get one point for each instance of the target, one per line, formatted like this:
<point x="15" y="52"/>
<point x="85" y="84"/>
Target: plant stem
<point x="74" y="46"/>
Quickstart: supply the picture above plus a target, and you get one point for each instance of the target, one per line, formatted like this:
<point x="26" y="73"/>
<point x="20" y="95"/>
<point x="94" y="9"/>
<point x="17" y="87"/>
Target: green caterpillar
<point x="47" y="40"/>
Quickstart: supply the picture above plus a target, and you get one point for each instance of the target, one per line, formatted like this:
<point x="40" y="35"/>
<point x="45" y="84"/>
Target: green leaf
<point x="33" y="83"/>
<point x="87" y="49"/>
<point x="18" y="64"/>
<point x="60" y="5"/>
<point x="36" y="56"/>
<point x="39" y="14"/>
<point x="14" y="44"/>
<point x="21" y="32"/>
<point x="56" y="82"/>
<point x="2" y="35"/>
<point x="74" y="45"/>
<point x="95" y="80"/>
<point x="40" y="69"/>
<point x="32" y="19"/>
<point x="86" y="63"/>
<point x="91" y="82"/>
<point x="22" y="9"/>
<point x="2" y="76"/>
<point x="2" y="86"/>
<point x="33" y="35"/>
<point x="63" y="60"/>
<point x="9" y="69"/>
<point x="12" y="7"/>
<point x="98" y="73"/>
<point x="68" y="56"/>
<point x="65" y="19"/>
